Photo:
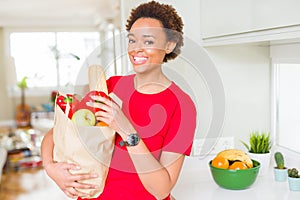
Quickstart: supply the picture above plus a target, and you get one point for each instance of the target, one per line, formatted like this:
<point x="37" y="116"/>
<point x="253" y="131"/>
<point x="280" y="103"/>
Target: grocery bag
<point x="90" y="147"/>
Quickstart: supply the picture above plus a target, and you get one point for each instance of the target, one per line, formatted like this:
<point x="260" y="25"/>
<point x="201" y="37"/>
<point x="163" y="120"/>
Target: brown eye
<point x="131" y="41"/>
<point x="149" y="42"/>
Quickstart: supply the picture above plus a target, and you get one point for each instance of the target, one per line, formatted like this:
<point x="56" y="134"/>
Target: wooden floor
<point x="29" y="184"/>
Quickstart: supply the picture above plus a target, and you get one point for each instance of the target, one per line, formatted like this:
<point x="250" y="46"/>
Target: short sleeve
<point x="111" y="82"/>
<point x="181" y="130"/>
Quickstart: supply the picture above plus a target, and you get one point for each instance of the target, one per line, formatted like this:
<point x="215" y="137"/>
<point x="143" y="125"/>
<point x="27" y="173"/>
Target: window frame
<point x="10" y="74"/>
<point x="275" y="99"/>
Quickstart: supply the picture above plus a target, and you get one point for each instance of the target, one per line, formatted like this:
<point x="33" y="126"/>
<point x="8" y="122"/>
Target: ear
<point x="170" y="47"/>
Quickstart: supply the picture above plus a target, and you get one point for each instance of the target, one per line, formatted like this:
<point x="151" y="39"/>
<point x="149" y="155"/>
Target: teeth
<point x="138" y="59"/>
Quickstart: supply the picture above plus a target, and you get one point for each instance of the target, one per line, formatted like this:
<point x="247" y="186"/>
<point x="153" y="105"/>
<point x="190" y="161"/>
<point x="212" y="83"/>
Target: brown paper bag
<point x="90" y="147"/>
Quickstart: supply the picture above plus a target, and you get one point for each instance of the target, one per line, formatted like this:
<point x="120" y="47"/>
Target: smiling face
<point x="147" y="44"/>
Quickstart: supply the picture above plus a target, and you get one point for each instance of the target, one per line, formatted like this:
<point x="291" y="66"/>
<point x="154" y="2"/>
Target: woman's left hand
<point x="112" y="114"/>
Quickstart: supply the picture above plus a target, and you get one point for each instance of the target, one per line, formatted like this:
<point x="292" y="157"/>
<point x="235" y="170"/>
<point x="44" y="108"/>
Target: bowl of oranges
<point x="233" y="169"/>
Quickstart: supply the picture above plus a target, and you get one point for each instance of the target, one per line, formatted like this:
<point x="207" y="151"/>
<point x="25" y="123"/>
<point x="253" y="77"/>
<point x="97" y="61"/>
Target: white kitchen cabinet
<point x="239" y="16"/>
<point x="242" y="21"/>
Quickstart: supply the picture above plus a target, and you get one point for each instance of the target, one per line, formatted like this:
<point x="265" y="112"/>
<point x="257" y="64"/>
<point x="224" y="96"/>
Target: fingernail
<point x="100" y="97"/>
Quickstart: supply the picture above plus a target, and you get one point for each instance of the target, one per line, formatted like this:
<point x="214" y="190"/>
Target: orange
<point x="220" y="162"/>
<point x="238" y="165"/>
<point x="101" y="124"/>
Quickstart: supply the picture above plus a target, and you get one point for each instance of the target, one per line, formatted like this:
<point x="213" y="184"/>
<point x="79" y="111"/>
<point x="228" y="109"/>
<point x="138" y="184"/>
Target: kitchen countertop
<point x="196" y="182"/>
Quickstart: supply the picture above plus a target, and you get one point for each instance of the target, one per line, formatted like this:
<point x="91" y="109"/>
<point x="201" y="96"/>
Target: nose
<point x="137" y="46"/>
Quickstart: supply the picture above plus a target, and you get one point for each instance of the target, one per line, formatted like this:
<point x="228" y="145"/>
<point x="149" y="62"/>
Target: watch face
<point x="133" y="139"/>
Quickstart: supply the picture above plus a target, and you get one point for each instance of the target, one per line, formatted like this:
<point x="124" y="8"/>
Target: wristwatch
<point x="132" y="140"/>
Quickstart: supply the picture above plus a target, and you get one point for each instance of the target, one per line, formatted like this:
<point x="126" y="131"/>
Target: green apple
<point x="84" y="117"/>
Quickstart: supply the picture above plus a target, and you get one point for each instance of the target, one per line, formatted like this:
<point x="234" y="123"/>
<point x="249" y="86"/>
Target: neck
<point x="151" y="84"/>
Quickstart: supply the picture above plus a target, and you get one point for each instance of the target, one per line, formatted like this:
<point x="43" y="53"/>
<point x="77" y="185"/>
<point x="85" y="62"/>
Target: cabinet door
<point x="219" y="18"/>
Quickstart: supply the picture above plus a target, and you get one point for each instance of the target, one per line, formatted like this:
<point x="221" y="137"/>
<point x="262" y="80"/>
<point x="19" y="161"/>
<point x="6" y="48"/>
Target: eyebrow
<point x="145" y="35"/>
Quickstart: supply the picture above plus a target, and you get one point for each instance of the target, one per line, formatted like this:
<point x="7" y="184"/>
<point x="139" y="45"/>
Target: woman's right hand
<point x="67" y="182"/>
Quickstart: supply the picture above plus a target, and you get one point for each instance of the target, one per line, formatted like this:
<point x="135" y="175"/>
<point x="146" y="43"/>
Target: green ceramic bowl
<point x="235" y="179"/>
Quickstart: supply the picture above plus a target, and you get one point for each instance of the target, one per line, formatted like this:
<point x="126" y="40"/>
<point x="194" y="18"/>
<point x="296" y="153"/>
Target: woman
<point x="155" y="127"/>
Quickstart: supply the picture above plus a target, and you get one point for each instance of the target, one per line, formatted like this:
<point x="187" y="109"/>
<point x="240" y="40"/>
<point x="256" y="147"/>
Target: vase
<point x="280" y="175"/>
<point x="294" y="184"/>
<point x="264" y="160"/>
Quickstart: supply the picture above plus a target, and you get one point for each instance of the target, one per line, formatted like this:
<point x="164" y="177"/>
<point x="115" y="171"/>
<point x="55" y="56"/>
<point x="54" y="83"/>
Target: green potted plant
<point x="259" y="143"/>
<point x="280" y="171"/>
<point x="259" y="149"/>
<point x="293" y="179"/>
<point x="23" y="109"/>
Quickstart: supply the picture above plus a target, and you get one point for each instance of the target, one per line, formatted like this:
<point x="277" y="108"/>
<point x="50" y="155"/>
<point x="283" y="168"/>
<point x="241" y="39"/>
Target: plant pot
<point x="294" y="184"/>
<point x="280" y="175"/>
<point x="264" y="159"/>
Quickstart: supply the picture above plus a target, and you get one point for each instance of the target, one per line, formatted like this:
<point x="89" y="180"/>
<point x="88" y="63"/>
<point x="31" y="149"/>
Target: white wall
<point x="190" y="12"/>
<point x="245" y="71"/>
<point x="126" y="7"/>
<point x="6" y="105"/>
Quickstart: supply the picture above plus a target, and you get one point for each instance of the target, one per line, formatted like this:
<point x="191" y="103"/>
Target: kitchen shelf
<point x="259" y="36"/>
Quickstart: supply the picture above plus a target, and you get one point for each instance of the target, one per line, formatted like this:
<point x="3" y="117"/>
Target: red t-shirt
<point x="165" y="121"/>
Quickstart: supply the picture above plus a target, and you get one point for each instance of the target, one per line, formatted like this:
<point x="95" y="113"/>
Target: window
<point x="287" y="90"/>
<point x="286" y="93"/>
<point x="34" y="56"/>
